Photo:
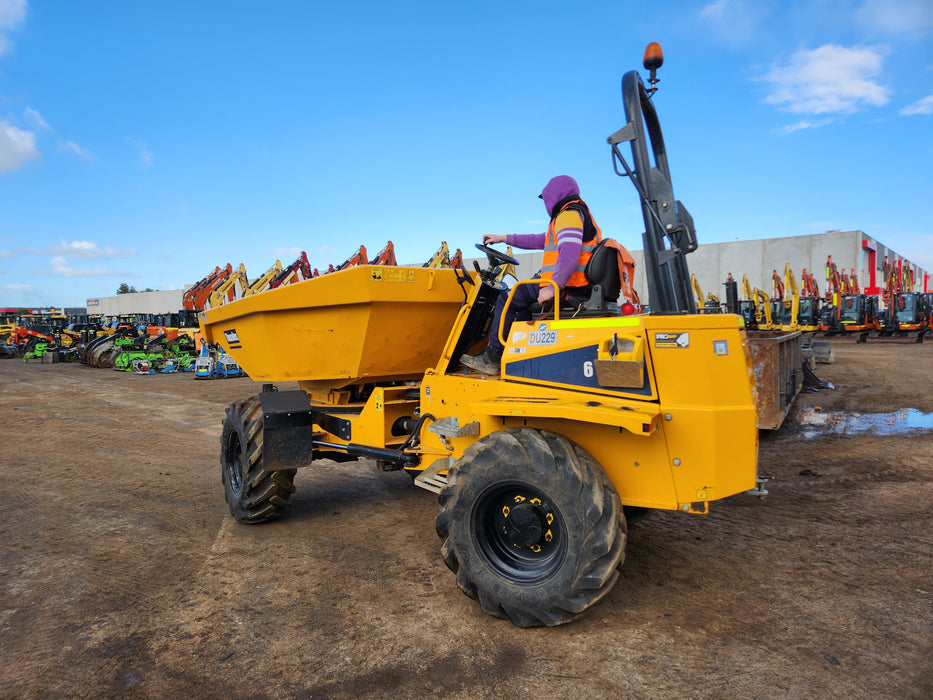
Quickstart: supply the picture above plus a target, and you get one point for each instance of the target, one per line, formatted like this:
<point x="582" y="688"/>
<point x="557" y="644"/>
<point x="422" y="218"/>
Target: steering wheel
<point x="495" y="257"/>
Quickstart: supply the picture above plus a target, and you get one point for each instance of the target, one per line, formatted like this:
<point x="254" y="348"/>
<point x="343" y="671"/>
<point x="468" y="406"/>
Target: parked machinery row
<point x="170" y="342"/>
<point x="844" y="309"/>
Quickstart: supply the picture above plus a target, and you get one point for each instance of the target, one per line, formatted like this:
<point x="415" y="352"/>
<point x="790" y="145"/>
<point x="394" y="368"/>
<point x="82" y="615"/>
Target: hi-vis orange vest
<point x="577" y="279"/>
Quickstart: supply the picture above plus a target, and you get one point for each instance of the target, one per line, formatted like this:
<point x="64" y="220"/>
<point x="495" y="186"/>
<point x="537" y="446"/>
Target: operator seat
<point x="600" y="296"/>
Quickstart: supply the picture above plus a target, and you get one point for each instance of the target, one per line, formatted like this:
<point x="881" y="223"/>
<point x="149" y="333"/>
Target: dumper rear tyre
<point x="532" y="526"/>
<point x="253" y="493"/>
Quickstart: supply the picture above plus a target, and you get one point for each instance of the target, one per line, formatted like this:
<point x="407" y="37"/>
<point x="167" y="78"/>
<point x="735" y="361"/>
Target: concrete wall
<point x="169" y="301"/>
<point x="712" y="263"/>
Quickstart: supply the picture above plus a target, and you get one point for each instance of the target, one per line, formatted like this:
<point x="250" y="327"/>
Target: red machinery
<point x="906" y="311"/>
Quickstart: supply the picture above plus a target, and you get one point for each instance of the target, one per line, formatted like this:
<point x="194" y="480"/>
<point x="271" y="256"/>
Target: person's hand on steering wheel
<point x="490" y="238"/>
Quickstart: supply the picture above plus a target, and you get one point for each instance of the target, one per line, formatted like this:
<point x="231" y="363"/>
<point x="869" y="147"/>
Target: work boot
<point x="482" y="363"/>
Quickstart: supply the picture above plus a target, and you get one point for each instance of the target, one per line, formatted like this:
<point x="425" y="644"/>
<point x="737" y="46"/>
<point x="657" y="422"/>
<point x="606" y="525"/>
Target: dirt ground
<point x="124" y="574"/>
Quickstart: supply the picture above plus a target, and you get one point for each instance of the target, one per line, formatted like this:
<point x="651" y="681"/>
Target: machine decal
<point x="672" y="340"/>
<point x="720" y="347"/>
<point x="232" y="338"/>
<point x="571" y="368"/>
<point x="392" y="274"/>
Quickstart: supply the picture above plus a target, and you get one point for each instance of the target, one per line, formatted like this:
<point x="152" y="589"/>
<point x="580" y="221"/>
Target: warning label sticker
<point x="393" y="274"/>
<point x="672" y="340"/>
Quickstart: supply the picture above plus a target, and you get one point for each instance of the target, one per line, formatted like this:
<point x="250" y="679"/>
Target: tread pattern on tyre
<point x="588" y="502"/>
<point x="263" y="493"/>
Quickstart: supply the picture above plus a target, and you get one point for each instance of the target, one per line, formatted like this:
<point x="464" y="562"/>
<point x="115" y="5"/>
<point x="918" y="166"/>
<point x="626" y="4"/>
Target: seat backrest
<point x="603" y="269"/>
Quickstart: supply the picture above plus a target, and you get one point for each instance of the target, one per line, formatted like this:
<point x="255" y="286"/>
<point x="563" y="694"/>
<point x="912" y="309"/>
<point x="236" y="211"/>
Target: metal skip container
<point x="364" y="324"/>
<point x="777" y="361"/>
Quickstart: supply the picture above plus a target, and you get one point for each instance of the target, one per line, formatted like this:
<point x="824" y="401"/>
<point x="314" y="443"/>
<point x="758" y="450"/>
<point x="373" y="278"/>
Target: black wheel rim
<point x="232" y="464"/>
<point x="520" y="532"/>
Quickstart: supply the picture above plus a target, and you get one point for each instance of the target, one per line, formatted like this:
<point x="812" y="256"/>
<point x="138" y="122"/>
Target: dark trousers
<point x="525" y="296"/>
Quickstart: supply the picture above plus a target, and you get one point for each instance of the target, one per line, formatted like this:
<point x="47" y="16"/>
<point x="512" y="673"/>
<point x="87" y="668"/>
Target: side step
<point x="431" y="479"/>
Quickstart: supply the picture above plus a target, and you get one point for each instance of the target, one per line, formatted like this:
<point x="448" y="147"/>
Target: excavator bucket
<point x="360" y="325"/>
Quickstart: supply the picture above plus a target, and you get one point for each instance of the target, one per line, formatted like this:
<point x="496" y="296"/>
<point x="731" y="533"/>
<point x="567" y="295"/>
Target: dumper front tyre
<point x="532" y="526"/>
<point x="253" y="493"/>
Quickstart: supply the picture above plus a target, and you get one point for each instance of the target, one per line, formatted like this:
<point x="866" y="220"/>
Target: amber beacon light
<point x="652" y="60"/>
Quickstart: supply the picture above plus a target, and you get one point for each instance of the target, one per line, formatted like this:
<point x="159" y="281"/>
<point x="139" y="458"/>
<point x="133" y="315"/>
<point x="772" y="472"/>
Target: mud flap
<point x="288" y="429"/>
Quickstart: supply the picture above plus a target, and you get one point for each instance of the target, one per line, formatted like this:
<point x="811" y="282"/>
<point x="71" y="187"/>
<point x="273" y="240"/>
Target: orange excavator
<point x="197" y="296"/>
<point x="854" y="287"/>
<point x="906" y="311"/>
<point x="808" y="282"/>
<point x="851" y="311"/>
<point x="385" y="257"/>
<point x="358" y="258"/>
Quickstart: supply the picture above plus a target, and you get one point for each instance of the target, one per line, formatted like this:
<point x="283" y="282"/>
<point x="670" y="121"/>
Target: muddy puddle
<point x="815" y="422"/>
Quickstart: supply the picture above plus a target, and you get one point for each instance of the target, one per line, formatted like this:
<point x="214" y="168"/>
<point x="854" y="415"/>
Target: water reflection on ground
<point x="816" y="422"/>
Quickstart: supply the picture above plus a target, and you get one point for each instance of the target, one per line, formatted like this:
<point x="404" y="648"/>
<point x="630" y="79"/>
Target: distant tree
<point x="124" y="288"/>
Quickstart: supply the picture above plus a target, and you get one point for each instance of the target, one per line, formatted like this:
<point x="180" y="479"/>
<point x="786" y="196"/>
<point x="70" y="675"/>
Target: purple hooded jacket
<point x="554" y="191"/>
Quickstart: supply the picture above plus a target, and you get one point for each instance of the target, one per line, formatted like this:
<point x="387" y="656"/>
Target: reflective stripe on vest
<point x="578" y="278"/>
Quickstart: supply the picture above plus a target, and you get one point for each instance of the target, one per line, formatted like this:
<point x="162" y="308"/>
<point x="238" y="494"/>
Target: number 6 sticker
<point x="587" y="369"/>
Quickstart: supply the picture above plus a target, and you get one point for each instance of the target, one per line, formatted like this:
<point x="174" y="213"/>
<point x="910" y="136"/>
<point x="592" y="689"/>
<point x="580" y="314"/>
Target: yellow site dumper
<point x="594" y="415"/>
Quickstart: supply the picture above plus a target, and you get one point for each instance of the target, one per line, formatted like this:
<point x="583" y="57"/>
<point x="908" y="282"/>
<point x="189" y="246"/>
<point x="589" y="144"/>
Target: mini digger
<point x="594" y="416"/>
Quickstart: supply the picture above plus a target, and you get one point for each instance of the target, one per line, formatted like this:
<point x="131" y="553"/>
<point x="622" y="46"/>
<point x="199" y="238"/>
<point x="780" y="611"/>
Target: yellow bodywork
<point x="363" y="324"/>
<point x="664" y="403"/>
<point x="684" y="437"/>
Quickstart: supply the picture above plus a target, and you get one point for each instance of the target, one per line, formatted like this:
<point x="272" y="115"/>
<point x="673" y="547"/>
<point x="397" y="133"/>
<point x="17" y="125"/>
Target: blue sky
<point x="148" y="142"/>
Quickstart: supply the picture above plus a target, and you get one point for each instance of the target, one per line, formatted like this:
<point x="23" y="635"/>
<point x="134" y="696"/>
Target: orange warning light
<point x="654" y="57"/>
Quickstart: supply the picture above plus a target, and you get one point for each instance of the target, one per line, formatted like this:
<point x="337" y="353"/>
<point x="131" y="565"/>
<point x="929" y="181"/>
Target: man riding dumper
<point x="568" y="245"/>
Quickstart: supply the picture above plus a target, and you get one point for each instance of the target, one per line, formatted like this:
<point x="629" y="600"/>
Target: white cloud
<point x="733" y="21"/>
<point x="77" y="150"/>
<point x="16" y="287"/>
<point x="829" y="79"/>
<point x="16" y="147"/>
<point x="145" y="157"/>
<point x="74" y="249"/>
<point x="804" y="124"/>
<point x="896" y="17"/>
<point x="12" y="14"/>
<point x="62" y="268"/>
<point x="287" y="255"/>
<point x="32" y="115"/>
<point x="86" y="249"/>
<point x="924" y="106"/>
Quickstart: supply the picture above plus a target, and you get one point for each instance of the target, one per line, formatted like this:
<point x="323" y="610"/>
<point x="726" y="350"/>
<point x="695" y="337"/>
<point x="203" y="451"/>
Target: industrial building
<point x="169" y="301"/>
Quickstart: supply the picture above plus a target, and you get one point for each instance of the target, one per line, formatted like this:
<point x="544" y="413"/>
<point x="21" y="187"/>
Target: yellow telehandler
<point x="594" y="413"/>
